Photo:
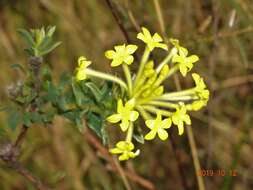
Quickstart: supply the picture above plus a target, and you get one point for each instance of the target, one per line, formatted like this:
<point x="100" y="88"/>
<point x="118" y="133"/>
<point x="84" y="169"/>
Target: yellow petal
<point x="162" y="134"/>
<point x="175" y="119"/>
<point x="183" y="69"/>
<point x="123" y="157"/>
<point x="157" y="38"/>
<point x="193" y="58"/>
<point x="133" y="115"/>
<point x="110" y="54"/>
<point x="150" y="123"/>
<point x="140" y="36"/>
<point x="115" y="118"/>
<point x="151" y="135"/>
<point x="129" y="146"/>
<point x="124" y="125"/>
<point x="180" y="128"/>
<point x="116" y="63"/>
<point x="146" y="32"/>
<point x="120" y="106"/>
<point x="121" y="145"/>
<point x="177" y="59"/>
<point x="132" y="155"/>
<point x="131" y="49"/>
<point x="183" y="51"/>
<point x="187" y="119"/>
<point x="166" y="123"/>
<point x="81" y="60"/>
<point x="115" y="151"/>
<point x="81" y="75"/>
<point x="120" y="48"/>
<point x="163" y="46"/>
<point x="129" y="60"/>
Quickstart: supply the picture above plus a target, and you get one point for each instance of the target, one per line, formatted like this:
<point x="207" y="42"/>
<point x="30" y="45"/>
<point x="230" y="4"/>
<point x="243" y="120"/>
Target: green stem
<point x="172" y="71"/>
<point x="155" y="110"/>
<point x="163" y="104"/>
<point x="143" y="62"/>
<point x="128" y="78"/>
<point x="104" y="76"/>
<point x="166" y="60"/>
<point x="179" y="93"/>
<point x="179" y="98"/>
<point x="130" y="132"/>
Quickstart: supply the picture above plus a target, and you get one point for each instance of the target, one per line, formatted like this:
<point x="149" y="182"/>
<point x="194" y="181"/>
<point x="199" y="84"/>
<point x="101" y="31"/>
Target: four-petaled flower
<point x="179" y="117"/>
<point x="151" y="41"/>
<point x="83" y="63"/>
<point x="125" y="149"/>
<point x="158" y="126"/>
<point x="185" y="63"/>
<point x="200" y="86"/>
<point x="122" y="54"/>
<point x="125" y="114"/>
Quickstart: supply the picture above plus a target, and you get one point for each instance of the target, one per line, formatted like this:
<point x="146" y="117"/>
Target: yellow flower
<point x="196" y="105"/>
<point x="185" y="63"/>
<point x="200" y="86"/>
<point x="151" y="41"/>
<point x="180" y="117"/>
<point x="158" y="126"/>
<point x="122" y="54"/>
<point x="81" y="69"/>
<point x="125" y="149"/>
<point x="125" y="114"/>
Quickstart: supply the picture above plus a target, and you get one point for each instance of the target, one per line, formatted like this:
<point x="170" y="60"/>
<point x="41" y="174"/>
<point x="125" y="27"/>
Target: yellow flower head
<point x="125" y="114"/>
<point x="122" y="54"/>
<point x="158" y="126"/>
<point x="180" y="117"/>
<point x="125" y="149"/>
<point x="83" y="63"/>
<point x="200" y="88"/>
<point x="185" y="63"/>
<point x="151" y="41"/>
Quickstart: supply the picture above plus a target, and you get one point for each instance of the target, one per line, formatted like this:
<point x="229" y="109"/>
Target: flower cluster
<point x="145" y="95"/>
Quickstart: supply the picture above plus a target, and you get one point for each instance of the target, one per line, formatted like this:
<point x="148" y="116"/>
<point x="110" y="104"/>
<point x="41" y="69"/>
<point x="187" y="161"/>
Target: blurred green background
<point x="219" y="31"/>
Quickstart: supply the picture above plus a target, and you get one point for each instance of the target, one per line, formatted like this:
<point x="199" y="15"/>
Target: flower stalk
<point x="105" y="76"/>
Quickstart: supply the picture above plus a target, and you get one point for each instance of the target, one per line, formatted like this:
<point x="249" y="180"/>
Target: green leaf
<point x="51" y="30"/>
<point x="49" y="49"/>
<point x="65" y="79"/>
<point x="18" y="66"/>
<point x="95" y="90"/>
<point x="27" y="119"/>
<point x="45" y="44"/>
<point x="95" y="123"/>
<point x="138" y="135"/>
<point x="36" y="117"/>
<point x="14" y="119"/>
<point x="30" y="51"/>
<point x="27" y="37"/>
<point x="52" y="92"/>
<point x="79" y="96"/>
<point x="48" y="117"/>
